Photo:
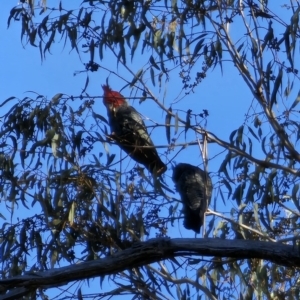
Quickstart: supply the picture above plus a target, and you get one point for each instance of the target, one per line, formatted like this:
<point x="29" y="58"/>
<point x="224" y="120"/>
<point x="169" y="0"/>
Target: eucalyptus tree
<point x="103" y="215"/>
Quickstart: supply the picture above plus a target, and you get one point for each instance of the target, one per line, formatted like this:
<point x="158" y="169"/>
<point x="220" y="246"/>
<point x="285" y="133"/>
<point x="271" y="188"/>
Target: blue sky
<point x="226" y="97"/>
<point x="22" y="70"/>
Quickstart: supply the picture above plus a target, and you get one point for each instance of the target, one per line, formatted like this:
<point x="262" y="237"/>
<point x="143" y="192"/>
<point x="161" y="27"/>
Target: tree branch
<point x="211" y="138"/>
<point x="151" y="251"/>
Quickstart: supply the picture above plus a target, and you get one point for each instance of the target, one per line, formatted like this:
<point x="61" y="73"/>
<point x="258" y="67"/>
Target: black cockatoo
<point x="195" y="188"/>
<point x="130" y="133"/>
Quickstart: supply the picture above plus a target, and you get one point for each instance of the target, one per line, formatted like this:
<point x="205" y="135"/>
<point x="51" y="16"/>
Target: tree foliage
<point x="95" y="203"/>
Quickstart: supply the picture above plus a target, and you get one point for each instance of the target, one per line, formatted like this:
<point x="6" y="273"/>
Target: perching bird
<point x="130" y="133"/>
<point x="195" y="188"/>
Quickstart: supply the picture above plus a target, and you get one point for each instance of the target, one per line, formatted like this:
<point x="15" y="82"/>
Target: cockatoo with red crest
<point x="130" y="133"/>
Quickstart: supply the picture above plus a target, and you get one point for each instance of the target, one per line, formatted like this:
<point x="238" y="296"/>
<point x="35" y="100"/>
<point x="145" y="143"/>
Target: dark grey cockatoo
<point x="195" y="188"/>
<point x="130" y="133"/>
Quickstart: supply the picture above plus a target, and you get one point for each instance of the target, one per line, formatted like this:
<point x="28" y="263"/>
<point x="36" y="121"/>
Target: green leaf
<point x="268" y="37"/>
<point x="136" y="36"/>
<point x="222" y="196"/>
<point x="187" y="121"/>
<point x="240" y="135"/>
<point x="232" y="134"/>
<point x="97" y="116"/>
<point x="23" y="236"/>
<point x="176" y="123"/>
<point x="79" y="14"/>
<point x="7" y="100"/>
<point x="250" y="194"/>
<point x="238" y="193"/>
<point x="86" y="83"/>
<point x="240" y="47"/>
<point x="254" y="47"/>
<point x="171" y="41"/>
<point x="152" y="76"/>
<point x="180" y="37"/>
<point x="101" y="44"/>
<point x="267" y="77"/>
<point x="71" y="214"/>
<point x="41" y="50"/>
<point x="174" y="6"/>
<point x="277" y="84"/>
<point x="110" y="159"/>
<point x="288" y="88"/>
<point x="257" y="122"/>
<point x="15" y="146"/>
<point x="295" y="197"/>
<point x="32" y="36"/>
<point x="263" y="145"/>
<point x="153" y="63"/>
<point x="296" y="102"/>
<point x="218" y="47"/>
<point x="146" y="41"/>
<point x="92" y="50"/>
<point x="97" y="161"/>
<point x="43" y="26"/>
<point x="287" y="44"/>
<point x="136" y="77"/>
<point x="198" y="48"/>
<point x="50" y="41"/>
<point x="14" y="13"/>
<point x="157" y="38"/>
<point x="168" y="124"/>
<point x="252" y="132"/>
<point x="122" y="53"/>
<point x="228" y="186"/>
<point x="77" y="140"/>
<point x="198" y="38"/>
<point x="55" y="144"/>
<point x="223" y="165"/>
<point x="55" y="99"/>
<point x="54" y="257"/>
<point x="187" y="48"/>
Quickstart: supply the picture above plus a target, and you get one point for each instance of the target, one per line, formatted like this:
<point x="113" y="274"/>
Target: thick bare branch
<point x="151" y="251"/>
